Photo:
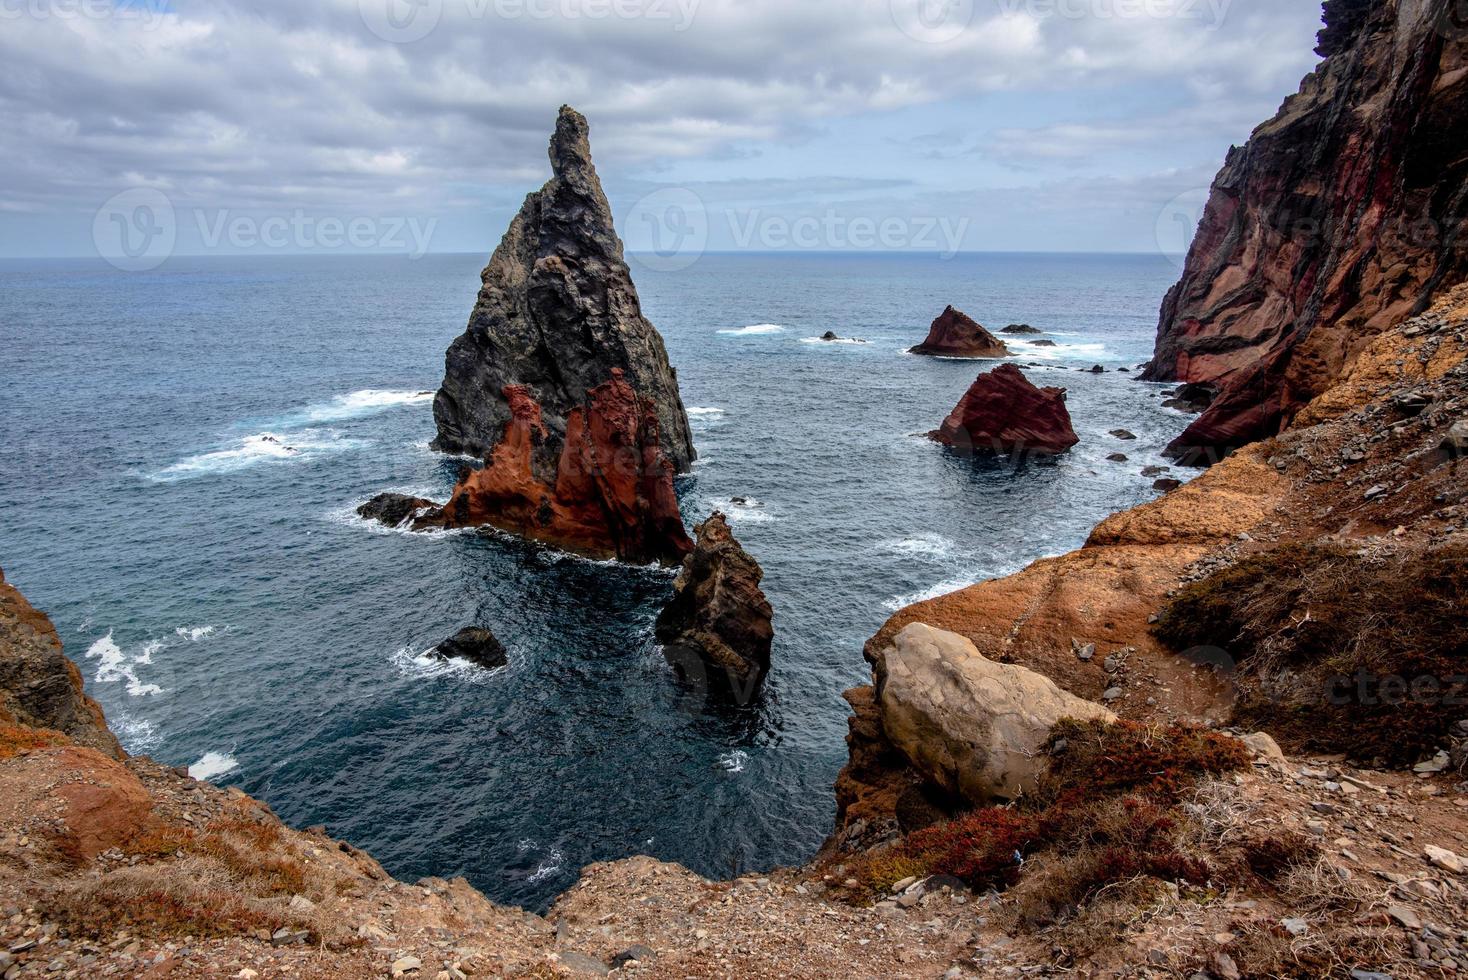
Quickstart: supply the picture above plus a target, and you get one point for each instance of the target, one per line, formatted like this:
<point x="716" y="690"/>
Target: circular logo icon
<point x="932" y="21"/>
<point x="1452" y="22"/>
<point x="136" y="230"/>
<point x="401" y="21"/>
<point x="1177" y="224"/>
<point x="670" y="228"/>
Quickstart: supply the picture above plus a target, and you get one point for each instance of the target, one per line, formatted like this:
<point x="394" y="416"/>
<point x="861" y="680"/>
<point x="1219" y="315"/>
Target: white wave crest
<point x="733" y="762"/>
<point x="754" y="330"/>
<point x="368" y="401"/>
<point x="252" y="450"/>
<point x="113" y="666"/>
<point x="838" y="340"/>
<point x="697" y="412"/>
<point x="213" y="765"/>
<point x="744" y="510"/>
<point x="194" y="633"/>
<point x="550" y="867"/>
<point x="137" y="735"/>
<point x="943" y="588"/>
<point x="423" y="665"/>
<point x="926" y="545"/>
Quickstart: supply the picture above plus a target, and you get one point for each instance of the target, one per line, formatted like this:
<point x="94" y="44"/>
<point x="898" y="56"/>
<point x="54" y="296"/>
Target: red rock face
<point x="1004" y="413"/>
<point x="613" y="495"/>
<point x="1341" y="216"/>
<point x="955" y="334"/>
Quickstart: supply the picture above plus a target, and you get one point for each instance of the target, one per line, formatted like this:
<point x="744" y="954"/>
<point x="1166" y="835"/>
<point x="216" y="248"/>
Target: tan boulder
<point x="972" y="726"/>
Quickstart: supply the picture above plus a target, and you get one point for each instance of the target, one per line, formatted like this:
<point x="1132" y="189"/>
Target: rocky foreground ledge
<point x="1234" y="862"/>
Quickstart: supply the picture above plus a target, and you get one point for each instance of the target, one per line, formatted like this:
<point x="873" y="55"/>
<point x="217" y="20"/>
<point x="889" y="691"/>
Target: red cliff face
<point x="1341" y="216"/>
<point x="955" y="334"/>
<point x="1004" y="413"/>
<point x="613" y="491"/>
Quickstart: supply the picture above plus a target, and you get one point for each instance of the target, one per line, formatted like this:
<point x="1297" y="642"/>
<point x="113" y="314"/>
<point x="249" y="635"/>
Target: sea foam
<point x="113" y="666"/>
<point x="213" y="765"/>
<point x="753" y="330"/>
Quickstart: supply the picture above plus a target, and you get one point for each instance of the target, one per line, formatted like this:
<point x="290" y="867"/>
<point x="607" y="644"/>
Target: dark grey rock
<point x="475" y="644"/>
<point x="1020" y="328"/>
<point x="557" y="312"/>
<point x="393" y="509"/>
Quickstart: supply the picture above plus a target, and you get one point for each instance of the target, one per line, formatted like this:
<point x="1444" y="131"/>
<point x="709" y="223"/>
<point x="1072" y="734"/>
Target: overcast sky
<point x="293" y="125"/>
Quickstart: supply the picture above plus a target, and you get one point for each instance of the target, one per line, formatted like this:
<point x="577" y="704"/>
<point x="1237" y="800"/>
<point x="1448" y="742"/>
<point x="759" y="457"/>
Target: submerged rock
<point x="718" y="612"/>
<point x="475" y="644"/>
<point x="955" y="334"/>
<point x="395" y="509"/>
<point x="563" y="385"/>
<point x="1043" y="343"/>
<point x="1003" y="412"/>
<point x="972" y="726"/>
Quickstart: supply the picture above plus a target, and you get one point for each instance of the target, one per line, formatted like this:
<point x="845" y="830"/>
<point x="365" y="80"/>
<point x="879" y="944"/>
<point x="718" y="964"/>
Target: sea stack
<point x="563" y="386"/>
<point x="1004" y="413"/>
<point x="718" y="613"/>
<point x="1340" y="217"/>
<point x="955" y="334"/>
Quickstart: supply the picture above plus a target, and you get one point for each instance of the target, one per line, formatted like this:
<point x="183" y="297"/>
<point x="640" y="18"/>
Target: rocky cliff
<point x="1002" y="412"/>
<point x="1341" y="216"/>
<point x="556" y="314"/>
<point x="956" y="334"/>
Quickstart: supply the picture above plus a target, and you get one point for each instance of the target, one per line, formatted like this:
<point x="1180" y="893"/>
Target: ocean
<point x="184" y="450"/>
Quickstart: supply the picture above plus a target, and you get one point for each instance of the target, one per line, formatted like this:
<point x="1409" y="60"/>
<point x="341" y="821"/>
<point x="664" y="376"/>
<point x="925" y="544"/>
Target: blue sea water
<point x="183" y="451"/>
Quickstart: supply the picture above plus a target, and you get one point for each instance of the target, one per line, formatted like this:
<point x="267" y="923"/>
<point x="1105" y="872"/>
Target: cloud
<point x="279" y="104"/>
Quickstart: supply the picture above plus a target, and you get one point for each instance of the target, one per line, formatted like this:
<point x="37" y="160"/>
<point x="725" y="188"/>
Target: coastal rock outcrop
<point x="394" y="509"/>
<point x="718" y="612"/>
<point x="612" y="494"/>
<point x="971" y="726"/>
<point x="955" y="334"/>
<point x="39" y="686"/>
<point x="1003" y="412"/>
<point x="563" y="386"/>
<point x="476" y="645"/>
<point x="1341" y="216"/>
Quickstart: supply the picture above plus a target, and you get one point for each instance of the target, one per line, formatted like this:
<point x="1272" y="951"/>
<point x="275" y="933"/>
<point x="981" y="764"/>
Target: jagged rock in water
<point x="1021" y="328"/>
<point x="475" y="644"/>
<point x="612" y="495"/>
<point x="1341" y="216"/>
<point x="1003" y="412"/>
<point x="557" y="312"/>
<point x="718" y="612"/>
<point x="955" y="334"/>
<point x="564" y="386"/>
<point x="39" y="686"/>
<point x="971" y="726"/>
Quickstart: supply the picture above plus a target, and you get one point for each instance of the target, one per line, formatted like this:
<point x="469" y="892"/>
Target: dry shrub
<point x="1339" y="651"/>
<point x="15" y="739"/>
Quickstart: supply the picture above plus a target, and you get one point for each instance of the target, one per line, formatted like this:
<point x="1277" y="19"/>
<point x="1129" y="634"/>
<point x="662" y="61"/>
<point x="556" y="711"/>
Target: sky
<point x="145" y="128"/>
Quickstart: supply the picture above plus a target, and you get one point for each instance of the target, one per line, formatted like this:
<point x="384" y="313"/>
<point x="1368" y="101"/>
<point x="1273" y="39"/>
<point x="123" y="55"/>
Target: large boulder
<point x="1004" y="413"/>
<point x="39" y="686"/>
<point x="395" y="509"/>
<point x="955" y="334"/>
<point x="971" y="726"/>
<point x="718" y="613"/>
<point x="476" y="645"/>
<point x="556" y="314"/>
